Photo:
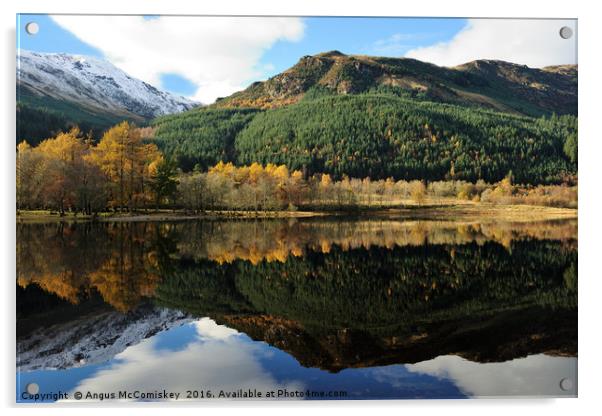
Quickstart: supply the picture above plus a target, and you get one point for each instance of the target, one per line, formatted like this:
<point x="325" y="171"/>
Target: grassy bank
<point x="435" y="210"/>
<point x="160" y="215"/>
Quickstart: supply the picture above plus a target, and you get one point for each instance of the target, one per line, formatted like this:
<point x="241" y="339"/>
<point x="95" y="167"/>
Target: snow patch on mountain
<point x="94" y="84"/>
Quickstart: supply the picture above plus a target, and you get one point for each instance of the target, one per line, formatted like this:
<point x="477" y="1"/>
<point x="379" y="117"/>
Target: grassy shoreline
<point x="454" y="211"/>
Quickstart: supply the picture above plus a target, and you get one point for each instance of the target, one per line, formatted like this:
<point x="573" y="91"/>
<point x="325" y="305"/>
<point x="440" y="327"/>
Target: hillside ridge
<point x="493" y="84"/>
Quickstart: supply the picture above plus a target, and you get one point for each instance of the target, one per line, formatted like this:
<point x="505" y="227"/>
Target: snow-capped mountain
<point x="94" y="84"/>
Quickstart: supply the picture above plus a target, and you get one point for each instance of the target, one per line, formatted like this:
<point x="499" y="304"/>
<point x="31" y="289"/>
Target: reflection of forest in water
<point x="334" y="293"/>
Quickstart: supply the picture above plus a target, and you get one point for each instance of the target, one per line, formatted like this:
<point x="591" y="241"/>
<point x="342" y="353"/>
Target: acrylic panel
<point x="295" y="208"/>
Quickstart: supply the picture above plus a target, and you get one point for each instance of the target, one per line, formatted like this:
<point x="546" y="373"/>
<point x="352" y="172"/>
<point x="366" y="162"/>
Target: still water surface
<point x="318" y="308"/>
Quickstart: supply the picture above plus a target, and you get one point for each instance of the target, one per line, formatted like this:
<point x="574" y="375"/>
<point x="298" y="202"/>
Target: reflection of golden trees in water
<point x="123" y="280"/>
<point x="120" y="261"/>
<point x="73" y="261"/>
<point x="276" y="240"/>
<point x="61" y="284"/>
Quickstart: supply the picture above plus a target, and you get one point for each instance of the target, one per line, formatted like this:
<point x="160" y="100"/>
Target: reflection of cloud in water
<point x="218" y="358"/>
<point x="207" y="330"/>
<point x="536" y="375"/>
<point x="221" y="359"/>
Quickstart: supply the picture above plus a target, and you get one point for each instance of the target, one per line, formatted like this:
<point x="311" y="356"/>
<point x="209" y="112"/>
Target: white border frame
<point x="589" y="172"/>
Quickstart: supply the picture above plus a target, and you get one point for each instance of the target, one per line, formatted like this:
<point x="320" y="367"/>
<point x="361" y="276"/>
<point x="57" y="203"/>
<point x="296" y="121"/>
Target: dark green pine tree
<point x="164" y="184"/>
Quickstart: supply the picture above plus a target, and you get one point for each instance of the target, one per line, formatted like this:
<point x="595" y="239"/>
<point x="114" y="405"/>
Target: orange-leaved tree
<point x="56" y="174"/>
<point x="128" y="163"/>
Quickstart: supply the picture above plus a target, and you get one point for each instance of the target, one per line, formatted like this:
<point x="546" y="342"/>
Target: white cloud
<point x="220" y="55"/>
<point x="536" y="375"/>
<point x="535" y="43"/>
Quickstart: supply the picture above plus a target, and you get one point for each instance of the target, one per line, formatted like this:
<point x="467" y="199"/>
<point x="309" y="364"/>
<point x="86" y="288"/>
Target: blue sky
<point x="365" y="36"/>
<point x="207" y="57"/>
<point x="51" y="38"/>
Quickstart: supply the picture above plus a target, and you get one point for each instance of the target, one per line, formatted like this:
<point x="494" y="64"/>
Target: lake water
<point x="323" y="308"/>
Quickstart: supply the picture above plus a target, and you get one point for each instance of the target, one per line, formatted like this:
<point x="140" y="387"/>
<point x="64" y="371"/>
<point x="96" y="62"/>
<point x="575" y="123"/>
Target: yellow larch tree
<point x="127" y="161"/>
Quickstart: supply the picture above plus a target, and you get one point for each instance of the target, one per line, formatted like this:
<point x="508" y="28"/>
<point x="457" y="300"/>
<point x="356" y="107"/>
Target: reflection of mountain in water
<point x="378" y="306"/>
<point x="93" y="338"/>
<point x="333" y="294"/>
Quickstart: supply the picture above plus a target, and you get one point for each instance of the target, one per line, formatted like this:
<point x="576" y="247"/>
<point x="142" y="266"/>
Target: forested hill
<point x="386" y="117"/>
<point x="496" y="85"/>
<point x="377" y="134"/>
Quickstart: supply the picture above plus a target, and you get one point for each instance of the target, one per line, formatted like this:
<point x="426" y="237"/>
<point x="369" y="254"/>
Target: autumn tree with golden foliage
<point x="68" y="173"/>
<point x="128" y="163"/>
<point x="57" y="174"/>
